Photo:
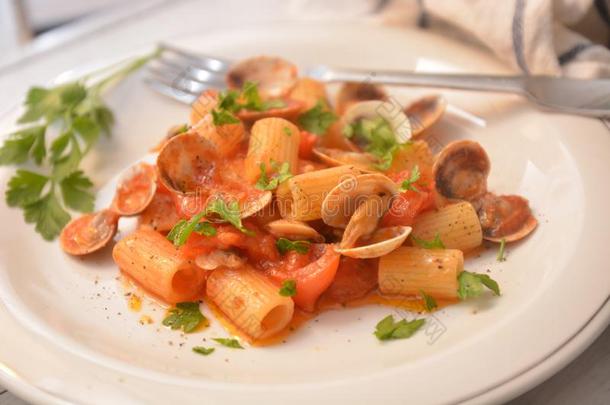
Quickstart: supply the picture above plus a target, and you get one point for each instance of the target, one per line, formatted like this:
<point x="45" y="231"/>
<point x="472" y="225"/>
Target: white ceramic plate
<point x="555" y="284"/>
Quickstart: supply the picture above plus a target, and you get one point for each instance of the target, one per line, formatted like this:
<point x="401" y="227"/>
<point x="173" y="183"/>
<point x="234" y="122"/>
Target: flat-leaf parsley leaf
<point x="388" y="328"/>
<point x="185" y="316"/>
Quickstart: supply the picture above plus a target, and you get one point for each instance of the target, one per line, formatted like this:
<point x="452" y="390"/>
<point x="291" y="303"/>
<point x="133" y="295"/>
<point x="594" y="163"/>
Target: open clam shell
<point x="185" y="163"/>
<point x="505" y="217"/>
<point x="382" y="242"/>
<point x="391" y="112"/>
<point x="363" y="222"/>
<point x="255" y="204"/>
<point x="274" y="76"/>
<point x="425" y="112"/>
<point x="355" y="92"/>
<point x="337" y="157"/>
<point x="460" y="171"/>
<point x="293" y="230"/>
<point x="342" y="201"/>
<point x="136" y="189"/>
<point x="89" y="233"/>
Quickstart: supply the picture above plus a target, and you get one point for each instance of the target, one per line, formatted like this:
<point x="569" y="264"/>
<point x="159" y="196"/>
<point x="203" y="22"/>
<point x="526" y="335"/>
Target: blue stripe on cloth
<point x="573" y="52"/>
<point x="518" y="35"/>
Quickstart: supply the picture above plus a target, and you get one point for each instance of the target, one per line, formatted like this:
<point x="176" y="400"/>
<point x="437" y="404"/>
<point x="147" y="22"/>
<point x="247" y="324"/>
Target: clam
<point x="89" y="233"/>
<point x="425" y="112"/>
<point x="382" y="242"/>
<point x="136" y="190"/>
<point x="337" y="157"/>
<point x="353" y="92"/>
<point x="253" y="205"/>
<point x="363" y="222"/>
<point x="293" y="230"/>
<point x="186" y="162"/>
<point x="342" y="201"/>
<point x="219" y="258"/>
<point x="274" y="76"/>
<point x="460" y="171"/>
<point x="505" y="217"/>
<point x="391" y="112"/>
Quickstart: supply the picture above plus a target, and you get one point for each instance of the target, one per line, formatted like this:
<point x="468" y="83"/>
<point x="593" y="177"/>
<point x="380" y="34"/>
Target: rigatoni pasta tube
<point x="272" y="140"/>
<point x="250" y="301"/>
<point x="408" y="271"/>
<point x="151" y="260"/>
<point x="457" y="225"/>
<point x="301" y="197"/>
<point x="225" y="138"/>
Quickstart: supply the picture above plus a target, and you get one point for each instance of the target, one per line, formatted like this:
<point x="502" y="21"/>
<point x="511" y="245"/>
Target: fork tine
<point x="180" y="82"/>
<point x="179" y="95"/>
<point x="205" y="62"/>
<point x="177" y="70"/>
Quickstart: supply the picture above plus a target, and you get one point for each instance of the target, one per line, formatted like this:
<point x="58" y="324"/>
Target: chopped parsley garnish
<point x="233" y="101"/>
<point x="249" y="92"/>
<point x="429" y="301"/>
<point x="183" y="229"/>
<point x="287" y="131"/>
<point x="388" y="328"/>
<point x="203" y="350"/>
<point x="281" y="173"/>
<point x="289" y="288"/>
<point x="471" y="285"/>
<point x="409" y="184"/>
<point x="185" y="316"/>
<point x="501" y="252"/>
<point x="378" y="138"/>
<point x="223" y="117"/>
<point x="300" y="246"/>
<point x="435" y="243"/>
<point x="228" y="212"/>
<point x="231" y="343"/>
<point x="317" y="119"/>
<point x="79" y="112"/>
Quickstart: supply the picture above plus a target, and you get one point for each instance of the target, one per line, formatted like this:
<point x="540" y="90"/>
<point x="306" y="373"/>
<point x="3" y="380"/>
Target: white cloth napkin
<point x="552" y="37"/>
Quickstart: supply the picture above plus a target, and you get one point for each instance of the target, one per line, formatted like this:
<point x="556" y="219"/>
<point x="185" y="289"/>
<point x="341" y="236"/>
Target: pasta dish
<point x="273" y="202"/>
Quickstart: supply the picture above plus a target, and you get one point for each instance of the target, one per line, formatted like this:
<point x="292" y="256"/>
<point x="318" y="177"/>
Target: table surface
<point x="123" y="30"/>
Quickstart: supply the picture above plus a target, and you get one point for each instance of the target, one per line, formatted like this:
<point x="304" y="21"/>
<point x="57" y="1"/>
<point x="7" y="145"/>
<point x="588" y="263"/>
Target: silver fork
<point x="182" y="76"/>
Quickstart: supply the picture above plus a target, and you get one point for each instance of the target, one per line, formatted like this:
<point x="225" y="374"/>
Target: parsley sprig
<point x="280" y="173"/>
<point x="230" y="102"/>
<point x="231" y="343"/>
<point x="180" y="233"/>
<point x="317" y="119"/>
<point x="471" y="285"/>
<point x="300" y="246"/>
<point x="60" y="125"/>
<point x="409" y="184"/>
<point x="228" y="212"/>
<point x="185" y="316"/>
<point x="429" y="301"/>
<point x="389" y="329"/>
<point x="501" y="257"/>
<point x="435" y="243"/>
<point x="377" y="138"/>
<point x="288" y="288"/>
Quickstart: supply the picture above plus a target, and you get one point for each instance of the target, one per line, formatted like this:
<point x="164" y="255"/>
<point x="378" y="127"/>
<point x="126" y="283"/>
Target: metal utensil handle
<point x="510" y="84"/>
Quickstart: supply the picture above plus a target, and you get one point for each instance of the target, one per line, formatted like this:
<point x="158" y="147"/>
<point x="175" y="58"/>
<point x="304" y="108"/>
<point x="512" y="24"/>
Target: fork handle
<point x="509" y="84"/>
